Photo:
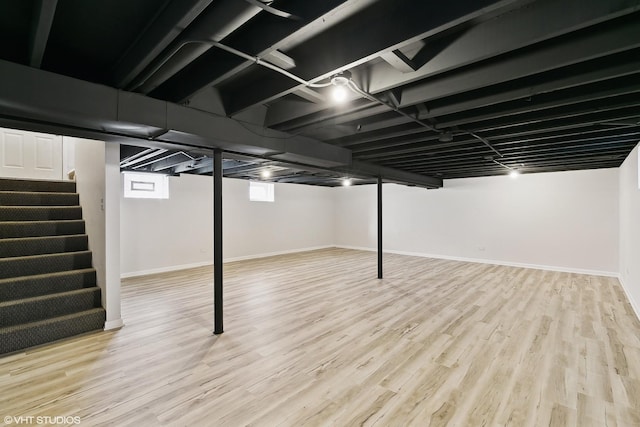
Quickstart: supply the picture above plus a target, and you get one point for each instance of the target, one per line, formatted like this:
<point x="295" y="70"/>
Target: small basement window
<point x="261" y="191"/>
<point x="146" y="185"/>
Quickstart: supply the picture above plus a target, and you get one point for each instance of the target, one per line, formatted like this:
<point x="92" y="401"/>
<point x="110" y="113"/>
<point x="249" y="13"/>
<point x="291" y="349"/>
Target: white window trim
<point x="138" y="185"/>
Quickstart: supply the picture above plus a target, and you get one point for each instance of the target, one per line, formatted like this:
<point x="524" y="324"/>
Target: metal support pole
<point x="379" y="227"/>
<point x="217" y="242"/>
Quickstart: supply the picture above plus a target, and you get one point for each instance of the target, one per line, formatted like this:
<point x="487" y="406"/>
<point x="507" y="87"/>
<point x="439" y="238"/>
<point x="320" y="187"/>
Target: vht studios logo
<point x="41" y="420"/>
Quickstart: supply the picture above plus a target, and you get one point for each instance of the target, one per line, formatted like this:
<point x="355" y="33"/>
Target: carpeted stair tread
<point x="39" y="213"/>
<point x="42" y="284"/>
<point x="12" y="229"/>
<point x="11" y="184"/>
<point x="14" y="338"/>
<point x="25" y="246"/>
<point x="41" y="264"/>
<point x="47" y="282"/>
<point x="29" y="310"/>
<point x="38" y="198"/>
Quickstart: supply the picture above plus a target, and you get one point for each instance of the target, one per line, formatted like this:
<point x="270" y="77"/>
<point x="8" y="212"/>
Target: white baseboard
<point x="494" y="262"/>
<point x="164" y="269"/>
<point x="209" y="263"/>
<point x="268" y="254"/>
<point x="634" y="304"/>
<point x="113" y="324"/>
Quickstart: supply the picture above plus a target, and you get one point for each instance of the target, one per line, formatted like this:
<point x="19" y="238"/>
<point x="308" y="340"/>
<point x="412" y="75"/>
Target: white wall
<point x="96" y="168"/>
<point x="160" y="234"/>
<point x="630" y="229"/>
<point x="564" y="221"/>
<point x="300" y="218"/>
<point x="90" y="184"/>
<point x="112" y="235"/>
<point x="163" y="235"/>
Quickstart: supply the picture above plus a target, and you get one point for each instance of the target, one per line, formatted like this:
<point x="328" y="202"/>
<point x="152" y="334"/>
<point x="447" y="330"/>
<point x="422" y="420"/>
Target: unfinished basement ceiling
<point x="452" y="89"/>
<point x="197" y="162"/>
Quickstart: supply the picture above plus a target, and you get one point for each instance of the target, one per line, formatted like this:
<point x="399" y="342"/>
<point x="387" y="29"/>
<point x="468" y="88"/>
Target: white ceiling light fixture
<point x="346" y="182"/>
<point x="340" y="83"/>
<point x="339" y="94"/>
<point x="513" y="173"/>
<point x="265" y="174"/>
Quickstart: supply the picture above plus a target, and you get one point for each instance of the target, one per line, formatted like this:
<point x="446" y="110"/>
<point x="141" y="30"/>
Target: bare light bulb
<point x="346" y="182"/>
<point x="339" y="93"/>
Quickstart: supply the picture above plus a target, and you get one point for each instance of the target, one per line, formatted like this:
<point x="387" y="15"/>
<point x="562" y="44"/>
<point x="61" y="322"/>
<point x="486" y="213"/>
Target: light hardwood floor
<point x="315" y="339"/>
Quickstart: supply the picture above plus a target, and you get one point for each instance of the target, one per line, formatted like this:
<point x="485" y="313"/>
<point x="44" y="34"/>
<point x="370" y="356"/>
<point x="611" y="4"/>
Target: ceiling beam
<point x="310" y="114"/>
<point x="311" y="95"/>
<point x="616" y="37"/>
<point x="576" y="96"/>
<point x="399" y="61"/>
<point x="266" y="34"/>
<point x="504" y="33"/>
<point x="359" y="44"/>
<point x="339" y="117"/>
<point x="497" y="130"/>
<point x="164" y="29"/>
<point x="47" y="97"/>
<point x="601" y="70"/>
<point x="625" y="64"/>
<point x="215" y="23"/>
<point x="506" y="147"/>
<point x="45" y="11"/>
<point x="512" y="30"/>
<point x="76" y="107"/>
<point x="392" y="175"/>
<point x="473" y="156"/>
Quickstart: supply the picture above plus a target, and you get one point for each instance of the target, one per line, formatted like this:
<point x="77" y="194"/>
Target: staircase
<point x="47" y="284"/>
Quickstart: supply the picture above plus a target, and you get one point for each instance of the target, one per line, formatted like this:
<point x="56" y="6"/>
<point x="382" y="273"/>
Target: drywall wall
<point x="163" y="235"/>
<point x="160" y="234"/>
<point x="112" y="235"/>
<point x="97" y="167"/>
<point x="90" y="184"/>
<point x="300" y="218"/>
<point x="630" y="228"/>
<point x="564" y="221"/>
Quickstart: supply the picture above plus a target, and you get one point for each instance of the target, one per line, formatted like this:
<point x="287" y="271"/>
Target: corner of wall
<point x="635" y="306"/>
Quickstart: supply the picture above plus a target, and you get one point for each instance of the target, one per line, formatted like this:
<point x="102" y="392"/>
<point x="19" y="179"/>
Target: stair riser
<point x="13" y="198"/>
<point x="28" y="287"/>
<point x="10" y="230"/>
<point x="20" y="213"/>
<point x="27" y="185"/>
<point x="42" y="245"/>
<point x="26" y="311"/>
<point x="16" y="267"/>
<point x="16" y="339"/>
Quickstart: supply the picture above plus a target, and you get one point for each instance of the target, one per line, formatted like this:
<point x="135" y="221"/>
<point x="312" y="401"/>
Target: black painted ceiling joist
<point x="551" y="84"/>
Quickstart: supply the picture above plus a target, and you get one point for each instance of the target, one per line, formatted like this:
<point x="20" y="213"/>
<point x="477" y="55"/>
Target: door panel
<point x="30" y="155"/>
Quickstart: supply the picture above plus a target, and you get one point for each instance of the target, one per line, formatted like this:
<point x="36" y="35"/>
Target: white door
<point x="30" y="155"/>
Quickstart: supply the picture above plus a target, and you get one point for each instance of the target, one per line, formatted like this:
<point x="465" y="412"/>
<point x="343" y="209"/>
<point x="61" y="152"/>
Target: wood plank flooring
<point x="315" y="339"/>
